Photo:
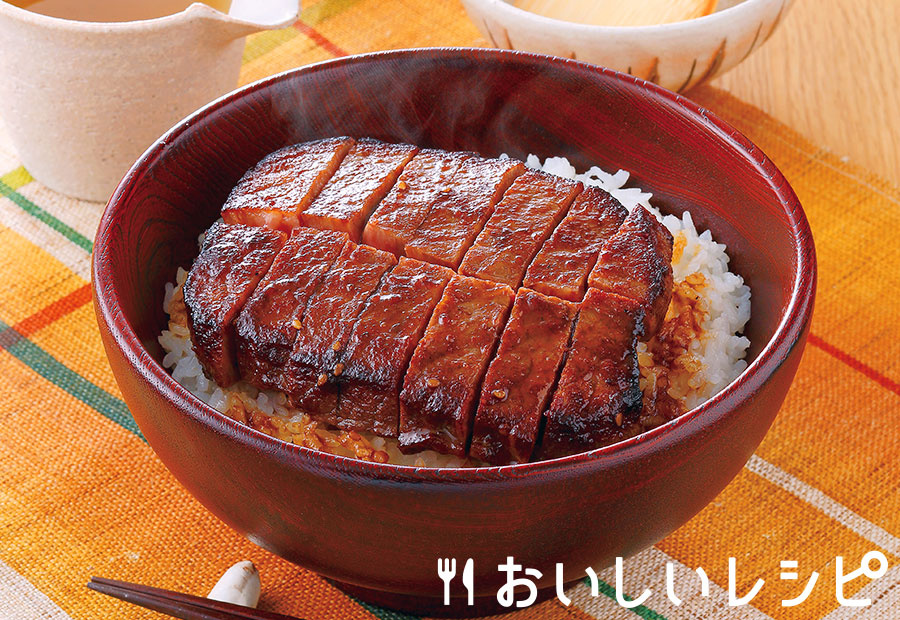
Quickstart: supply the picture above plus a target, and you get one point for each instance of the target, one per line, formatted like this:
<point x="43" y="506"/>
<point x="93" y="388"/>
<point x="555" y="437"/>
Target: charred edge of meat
<point x="245" y="249"/>
<point x="640" y="231"/>
<point x="580" y="423"/>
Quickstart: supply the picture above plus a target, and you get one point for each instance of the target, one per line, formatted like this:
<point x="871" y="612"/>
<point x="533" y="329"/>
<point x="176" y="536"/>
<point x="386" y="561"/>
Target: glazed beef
<point x="371" y="368"/>
<point x="366" y="175"/>
<point x="529" y="211"/>
<point x="396" y="219"/>
<point x="267" y="326"/>
<point x="521" y="377"/>
<point x="636" y="263"/>
<point x="472" y="362"/>
<point x="562" y="266"/>
<point x="329" y="319"/>
<point x="461" y="209"/>
<point x="598" y="397"/>
<point x="440" y="390"/>
<point x="283" y="184"/>
<point x="233" y="260"/>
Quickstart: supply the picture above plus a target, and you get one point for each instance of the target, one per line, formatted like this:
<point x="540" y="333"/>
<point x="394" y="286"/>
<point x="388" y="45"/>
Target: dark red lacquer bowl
<point x="382" y="527"/>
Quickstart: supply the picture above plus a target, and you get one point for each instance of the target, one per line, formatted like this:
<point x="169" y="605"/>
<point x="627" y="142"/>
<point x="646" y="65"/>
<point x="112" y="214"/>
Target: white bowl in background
<point x="677" y="56"/>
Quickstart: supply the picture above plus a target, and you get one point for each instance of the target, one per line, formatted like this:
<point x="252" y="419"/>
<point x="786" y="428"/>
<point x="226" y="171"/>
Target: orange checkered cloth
<point x="82" y="494"/>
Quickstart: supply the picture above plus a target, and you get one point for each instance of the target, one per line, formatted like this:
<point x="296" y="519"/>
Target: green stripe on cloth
<point x="604" y="588"/>
<point x="68" y="380"/>
<point x="382" y="613"/>
<point x="8" y="191"/>
<point x="640" y="610"/>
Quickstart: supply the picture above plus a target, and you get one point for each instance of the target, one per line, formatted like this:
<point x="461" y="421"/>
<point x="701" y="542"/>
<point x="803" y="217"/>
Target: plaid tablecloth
<point x="82" y="494"/>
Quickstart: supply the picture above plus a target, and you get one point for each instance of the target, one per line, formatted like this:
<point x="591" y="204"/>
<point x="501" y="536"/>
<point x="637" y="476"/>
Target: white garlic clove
<point x="239" y="585"/>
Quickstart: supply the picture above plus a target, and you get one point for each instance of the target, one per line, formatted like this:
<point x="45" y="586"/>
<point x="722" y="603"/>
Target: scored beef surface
<point x="371" y="368"/>
<point x="529" y="211"/>
<point x="330" y="316"/>
<point x="563" y="263"/>
<point x="442" y="384"/>
<point x="529" y="351"/>
<point x="462" y="207"/>
<point x="598" y="397"/>
<point x="394" y="222"/>
<point x="521" y="377"/>
<point x="365" y="176"/>
<point x="233" y="260"/>
<point x="267" y="325"/>
<point x="636" y="263"/>
<point x="283" y="184"/>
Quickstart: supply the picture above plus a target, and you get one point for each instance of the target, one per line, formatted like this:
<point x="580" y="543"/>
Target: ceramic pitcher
<point x="82" y="100"/>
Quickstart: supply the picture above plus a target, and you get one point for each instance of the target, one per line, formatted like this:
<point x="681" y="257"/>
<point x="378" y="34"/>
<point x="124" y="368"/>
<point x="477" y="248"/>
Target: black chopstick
<point x="178" y="604"/>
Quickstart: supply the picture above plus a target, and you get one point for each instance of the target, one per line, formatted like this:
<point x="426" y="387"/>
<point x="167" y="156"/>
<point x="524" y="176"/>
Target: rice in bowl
<point x="697" y="352"/>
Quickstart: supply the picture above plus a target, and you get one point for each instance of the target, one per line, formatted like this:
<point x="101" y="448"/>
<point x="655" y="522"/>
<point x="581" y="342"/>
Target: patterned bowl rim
<point x="738" y="12"/>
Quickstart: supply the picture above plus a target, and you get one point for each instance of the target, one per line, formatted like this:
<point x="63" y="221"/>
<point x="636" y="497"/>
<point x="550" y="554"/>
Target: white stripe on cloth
<point x="820" y="501"/>
<point x="884" y="594"/>
<point x="80" y="215"/>
<point x="44" y="237"/>
<point x="648" y="569"/>
<point x="19" y="600"/>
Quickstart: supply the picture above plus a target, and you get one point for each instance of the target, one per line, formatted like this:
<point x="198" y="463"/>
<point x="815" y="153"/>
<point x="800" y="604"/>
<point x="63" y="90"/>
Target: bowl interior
<point x="488" y="101"/>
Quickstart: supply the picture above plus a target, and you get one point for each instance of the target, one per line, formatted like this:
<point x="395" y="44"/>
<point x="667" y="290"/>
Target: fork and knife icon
<point x="447" y="570"/>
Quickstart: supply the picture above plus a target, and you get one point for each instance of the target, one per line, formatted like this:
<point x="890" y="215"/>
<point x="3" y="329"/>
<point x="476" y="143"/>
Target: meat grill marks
<point x="275" y="191"/>
<point x="231" y="263"/>
<point x="330" y="315"/>
<point x="461" y="209"/>
<point x="366" y="174"/>
<point x="563" y="263"/>
<point x="521" y="377"/>
<point x="371" y="369"/>
<point x="442" y="384"/>
<point x="353" y="319"/>
<point x="636" y="263"/>
<point x="267" y="325"/>
<point x="598" y="398"/>
<point x="395" y="220"/>
<point x="529" y="211"/>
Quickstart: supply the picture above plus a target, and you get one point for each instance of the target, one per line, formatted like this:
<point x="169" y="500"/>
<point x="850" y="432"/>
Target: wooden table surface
<point x="832" y="72"/>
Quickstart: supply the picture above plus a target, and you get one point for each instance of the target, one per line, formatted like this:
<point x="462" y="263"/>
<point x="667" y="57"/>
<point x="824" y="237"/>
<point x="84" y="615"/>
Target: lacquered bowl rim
<point x="787" y="335"/>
